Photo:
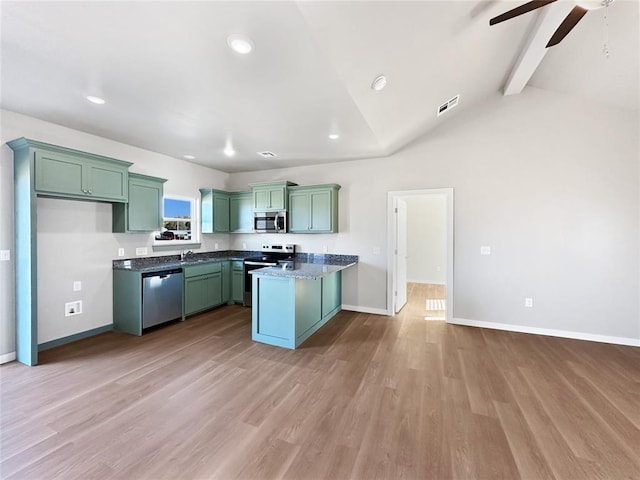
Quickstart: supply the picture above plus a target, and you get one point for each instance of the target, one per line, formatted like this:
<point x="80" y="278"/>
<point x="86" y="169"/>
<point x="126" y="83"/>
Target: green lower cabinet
<point x="237" y="282"/>
<point x="286" y="311"/>
<point x="226" y="282"/>
<point x="202" y="287"/>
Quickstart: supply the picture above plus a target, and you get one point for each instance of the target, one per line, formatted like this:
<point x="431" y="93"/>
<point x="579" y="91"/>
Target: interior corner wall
<point x="548" y="181"/>
<point x="75" y="242"/>
<point x="426" y="239"/>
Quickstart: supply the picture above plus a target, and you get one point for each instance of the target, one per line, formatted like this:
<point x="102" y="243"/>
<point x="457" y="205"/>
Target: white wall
<point x="74" y="237"/>
<point x="551" y="183"/>
<point x="548" y="181"/>
<point x="426" y="238"/>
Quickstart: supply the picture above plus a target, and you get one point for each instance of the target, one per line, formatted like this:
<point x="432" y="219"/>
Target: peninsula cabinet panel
<point x="143" y="212"/>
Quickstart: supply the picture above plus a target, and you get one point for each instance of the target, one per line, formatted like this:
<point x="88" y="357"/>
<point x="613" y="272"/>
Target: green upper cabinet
<point x="63" y="172"/>
<point x="215" y="210"/>
<point x="313" y="209"/>
<point x="143" y="212"/>
<point x="269" y="197"/>
<point x="240" y="212"/>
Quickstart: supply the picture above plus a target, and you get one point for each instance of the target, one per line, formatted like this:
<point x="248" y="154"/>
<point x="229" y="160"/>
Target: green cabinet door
<point x="202" y="287"/>
<point x="214" y="214"/>
<point x="313" y="209"/>
<point x="240" y="212"/>
<point x="214" y="290"/>
<point x="226" y="282"/>
<point x="59" y="174"/>
<point x="270" y="196"/>
<point x="143" y="212"/>
<point x="320" y="211"/>
<point x="299" y="212"/>
<point x="81" y="176"/>
<point x="237" y="281"/>
<point x="195" y="294"/>
<point x="107" y="181"/>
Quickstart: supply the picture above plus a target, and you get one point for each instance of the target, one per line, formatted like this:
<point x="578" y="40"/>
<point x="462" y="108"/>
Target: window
<point x="178" y="215"/>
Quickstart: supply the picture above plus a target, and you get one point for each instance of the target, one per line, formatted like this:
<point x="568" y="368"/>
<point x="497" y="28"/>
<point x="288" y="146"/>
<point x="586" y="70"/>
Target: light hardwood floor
<point x="366" y="397"/>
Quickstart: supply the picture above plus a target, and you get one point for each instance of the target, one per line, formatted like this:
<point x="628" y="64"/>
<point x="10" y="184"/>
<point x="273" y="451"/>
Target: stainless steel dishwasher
<point x="161" y="297"/>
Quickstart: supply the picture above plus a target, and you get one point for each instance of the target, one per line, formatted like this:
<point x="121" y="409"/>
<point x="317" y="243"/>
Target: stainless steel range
<point x="272" y="256"/>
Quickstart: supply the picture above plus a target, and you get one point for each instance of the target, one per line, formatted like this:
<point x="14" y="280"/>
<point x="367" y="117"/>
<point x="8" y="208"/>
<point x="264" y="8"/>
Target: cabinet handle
<point x="90" y="192"/>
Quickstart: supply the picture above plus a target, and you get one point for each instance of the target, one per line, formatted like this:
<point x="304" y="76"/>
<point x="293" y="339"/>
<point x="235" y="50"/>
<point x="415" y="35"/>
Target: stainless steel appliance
<point x="161" y="297"/>
<point x="270" y="222"/>
<point x="272" y="256"/>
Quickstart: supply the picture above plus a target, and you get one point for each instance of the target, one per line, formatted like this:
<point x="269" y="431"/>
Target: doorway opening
<point x="420" y="256"/>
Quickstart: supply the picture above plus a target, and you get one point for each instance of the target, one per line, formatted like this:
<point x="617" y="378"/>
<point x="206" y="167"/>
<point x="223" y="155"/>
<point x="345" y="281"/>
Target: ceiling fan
<point x="570" y="21"/>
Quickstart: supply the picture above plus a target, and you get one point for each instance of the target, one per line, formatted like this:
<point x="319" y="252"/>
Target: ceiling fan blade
<point x="567" y="25"/>
<point x="527" y="7"/>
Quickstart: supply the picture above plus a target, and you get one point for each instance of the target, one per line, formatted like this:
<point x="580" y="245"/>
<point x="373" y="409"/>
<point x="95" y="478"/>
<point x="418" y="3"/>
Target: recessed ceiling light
<point x="240" y="43"/>
<point x="96" y="100"/>
<point x="229" y="151"/>
<point x="379" y="83"/>
<point x="334" y="136"/>
<point x="189" y="157"/>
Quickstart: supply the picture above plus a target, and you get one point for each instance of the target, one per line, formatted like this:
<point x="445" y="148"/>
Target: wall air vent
<point x="267" y="154"/>
<point x="448" y="105"/>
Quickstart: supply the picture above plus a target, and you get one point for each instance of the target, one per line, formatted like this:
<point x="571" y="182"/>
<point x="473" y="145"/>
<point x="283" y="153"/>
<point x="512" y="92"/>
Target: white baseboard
<point x="631" y="342"/>
<point x="375" y="311"/>
<point x="7" y="357"/>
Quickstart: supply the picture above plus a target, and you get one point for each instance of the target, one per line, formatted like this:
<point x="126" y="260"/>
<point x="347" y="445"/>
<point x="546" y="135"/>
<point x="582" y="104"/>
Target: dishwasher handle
<point x="161" y="273"/>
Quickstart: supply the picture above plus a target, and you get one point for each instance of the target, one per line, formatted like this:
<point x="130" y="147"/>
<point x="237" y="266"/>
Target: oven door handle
<point x="261" y="264"/>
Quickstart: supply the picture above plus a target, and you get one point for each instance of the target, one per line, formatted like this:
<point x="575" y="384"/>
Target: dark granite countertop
<point x="152" y="264"/>
<point x="304" y="270"/>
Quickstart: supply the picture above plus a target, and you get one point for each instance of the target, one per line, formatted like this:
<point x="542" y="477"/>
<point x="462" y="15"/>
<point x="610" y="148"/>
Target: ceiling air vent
<point x="267" y="154"/>
<point x="448" y="105"/>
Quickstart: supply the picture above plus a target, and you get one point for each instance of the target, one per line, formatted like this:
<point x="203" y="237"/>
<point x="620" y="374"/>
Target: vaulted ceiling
<point x="172" y="85"/>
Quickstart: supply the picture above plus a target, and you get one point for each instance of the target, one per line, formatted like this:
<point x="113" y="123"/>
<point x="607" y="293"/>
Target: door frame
<point x="391" y="235"/>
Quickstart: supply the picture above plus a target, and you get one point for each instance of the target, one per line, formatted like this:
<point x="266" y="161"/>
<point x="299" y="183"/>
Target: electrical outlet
<point x="73" y="308"/>
<point x="528" y="302"/>
<point x="216" y="246"/>
<point x="5" y="255"/>
<point x="141" y="251"/>
<point x="485" y="250"/>
<point x="121" y="252"/>
<point x="77" y="286"/>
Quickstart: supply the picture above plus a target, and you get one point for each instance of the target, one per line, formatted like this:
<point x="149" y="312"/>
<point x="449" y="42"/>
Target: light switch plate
<point x="485" y="250"/>
<point x="77" y="286"/>
<point x="528" y="302"/>
<point x="5" y="255"/>
<point x="216" y="246"/>
<point x="121" y="252"/>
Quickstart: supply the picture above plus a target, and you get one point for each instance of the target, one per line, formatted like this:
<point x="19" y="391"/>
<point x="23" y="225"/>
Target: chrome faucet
<point x="184" y="255"/>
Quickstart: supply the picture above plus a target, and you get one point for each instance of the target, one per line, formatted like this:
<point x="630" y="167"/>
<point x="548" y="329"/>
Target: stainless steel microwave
<point x="270" y="222"/>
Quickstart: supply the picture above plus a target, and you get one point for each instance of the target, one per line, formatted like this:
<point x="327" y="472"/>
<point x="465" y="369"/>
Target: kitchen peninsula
<point x="292" y="301"/>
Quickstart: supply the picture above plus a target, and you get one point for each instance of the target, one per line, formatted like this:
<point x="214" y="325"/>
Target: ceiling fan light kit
<point x="570" y="21"/>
